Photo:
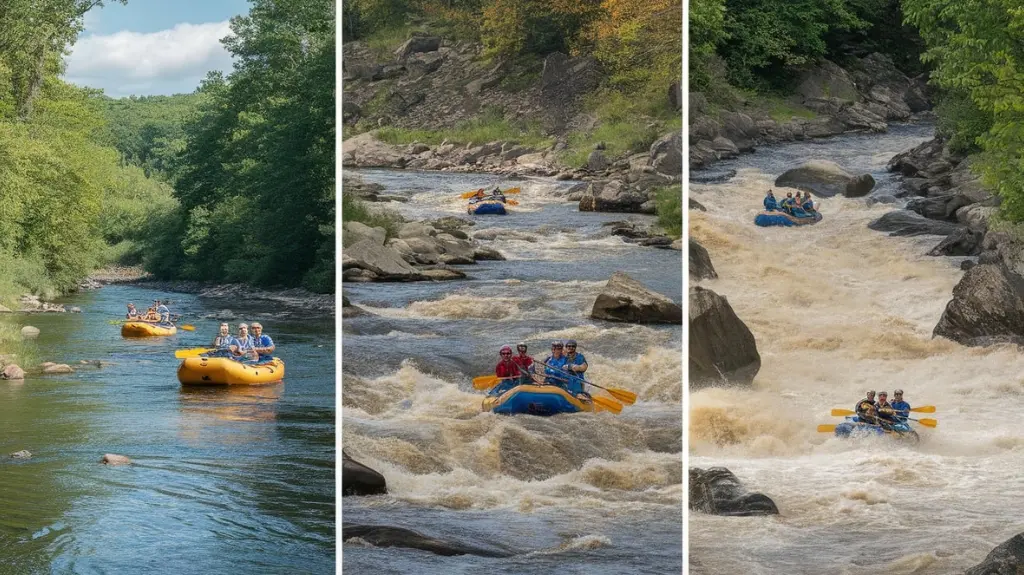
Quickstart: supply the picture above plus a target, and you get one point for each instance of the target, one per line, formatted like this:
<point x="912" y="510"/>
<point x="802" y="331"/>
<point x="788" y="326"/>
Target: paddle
<point x="488" y="381"/>
<point x="623" y="395"/>
<point x="467" y="195"/>
<point x="512" y="202"/>
<point x="187" y="327"/>
<point x="826" y="428"/>
<point x="194" y="352"/>
<point x="925" y="422"/>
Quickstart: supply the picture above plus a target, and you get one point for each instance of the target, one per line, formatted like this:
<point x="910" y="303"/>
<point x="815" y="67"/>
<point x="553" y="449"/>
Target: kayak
<point x="487" y="208"/>
<point x="146" y="329"/>
<point x="226" y="371"/>
<point x="536" y="400"/>
<point x="779" y="218"/>
<point x="853" y="427"/>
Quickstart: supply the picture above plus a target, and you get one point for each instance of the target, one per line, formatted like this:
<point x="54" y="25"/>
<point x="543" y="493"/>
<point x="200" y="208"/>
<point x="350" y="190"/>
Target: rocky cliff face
<point x="863" y="96"/>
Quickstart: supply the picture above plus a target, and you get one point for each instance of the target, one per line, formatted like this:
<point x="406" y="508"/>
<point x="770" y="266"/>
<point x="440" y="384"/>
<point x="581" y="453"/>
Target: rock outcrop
<point x="358" y="479"/>
<point x="387" y="536"/>
<point x="624" y="299"/>
<point x="718" y="491"/>
<point x="1006" y="559"/>
<point x="700" y="263"/>
<point x="987" y="307"/>
<point x="722" y="349"/>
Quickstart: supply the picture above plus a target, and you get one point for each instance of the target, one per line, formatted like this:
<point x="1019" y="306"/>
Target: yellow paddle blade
<point x="188" y="327"/>
<point x="194" y="352"/>
<point x="826" y="428"/>
<point x="627" y="397"/>
<point x="511" y="191"/>
<point x="838" y="412"/>
<point x="485" y="381"/>
<point x="928" y="422"/>
<point x="609" y="404"/>
<point x="512" y="202"/>
<point x="468" y="195"/>
<point x="923" y="409"/>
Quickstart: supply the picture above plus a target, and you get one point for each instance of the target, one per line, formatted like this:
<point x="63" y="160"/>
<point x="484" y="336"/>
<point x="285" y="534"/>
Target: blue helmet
<point x="570" y="343"/>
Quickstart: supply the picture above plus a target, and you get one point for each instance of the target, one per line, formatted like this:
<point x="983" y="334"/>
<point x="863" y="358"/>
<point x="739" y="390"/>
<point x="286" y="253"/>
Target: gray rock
<point x="12" y="372"/>
<point x="358" y="479"/>
<point x="987" y="308"/>
<point x="962" y="242"/>
<point x="418" y="44"/>
<point x="354" y="232"/>
<point x="596" y="162"/>
<point x="824" y="179"/>
<point x="1005" y="559"/>
<point x="718" y="491"/>
<point x="114" y="459"/>
<point x="907" y="223"/>
<point x="384" y="262"/>
<point x="23" y="454"/>
<point x="700" y="262"/>
<point x="386" y="536"/>
<point x="29" y="332"/>
<point x="722" y="349"/>
<point x="624" y="299"/>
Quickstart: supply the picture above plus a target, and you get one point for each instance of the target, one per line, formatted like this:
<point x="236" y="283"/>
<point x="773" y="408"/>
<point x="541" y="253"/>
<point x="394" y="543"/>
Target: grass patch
<point x="783" y="111"/>
<point x="21" y="352"/>
<point x="626" y="123"/>
<point x="668" y="204"/>
<point x="384" y="42"/>
<point x="355" y="210"/>
<point x="491" y="126"/>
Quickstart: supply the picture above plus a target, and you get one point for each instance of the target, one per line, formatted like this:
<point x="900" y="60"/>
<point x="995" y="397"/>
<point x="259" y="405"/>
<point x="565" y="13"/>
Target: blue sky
<point x="152" y="46"/>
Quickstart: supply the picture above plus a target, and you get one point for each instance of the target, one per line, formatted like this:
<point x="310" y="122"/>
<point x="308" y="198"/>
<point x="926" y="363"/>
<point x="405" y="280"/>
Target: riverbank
<point x="290" y="297"/>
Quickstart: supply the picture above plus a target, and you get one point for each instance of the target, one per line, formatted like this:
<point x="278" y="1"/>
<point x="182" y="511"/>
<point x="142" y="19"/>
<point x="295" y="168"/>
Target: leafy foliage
<point x="977" y="49"/>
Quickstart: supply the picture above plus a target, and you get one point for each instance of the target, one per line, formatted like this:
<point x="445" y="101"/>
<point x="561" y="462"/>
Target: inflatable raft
<point x="854" y="428"/>
<point x="536" y="400"/>
<point x="486" y="208"/>
<point x="146" y="329"/>
<point x="779" y="218"/>
<point x="226" y="371"/>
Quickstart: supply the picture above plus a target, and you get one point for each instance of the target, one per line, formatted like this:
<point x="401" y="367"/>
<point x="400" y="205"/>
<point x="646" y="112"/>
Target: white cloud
<point x="163" y="62"/>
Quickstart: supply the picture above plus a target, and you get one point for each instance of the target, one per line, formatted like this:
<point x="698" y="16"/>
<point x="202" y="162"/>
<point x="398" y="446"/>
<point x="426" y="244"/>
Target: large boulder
<point x="12" y="372"/>
<point x="366" y="151"/>
<point x="962" y="242"/>
<point x="626" y="300"/>
<point x="358" y="479"/>
<point x="384" y="262"/>
<point x="722" y="348"/>
<point x="825" y="179"/>
<point x="416" y="45"/>
<point x="700" y="262"/>
<point x="987" y="308"/>
<point x="824" y="79"/>
<point x="1006" y="559"/>
<point x="613" y="196"/>
<point x="386" y="536"/>
<point x="907" y="223"/>
<point x="666" y="154"/>
<point x="718" y="491"/>
<point x="354" y="232"/>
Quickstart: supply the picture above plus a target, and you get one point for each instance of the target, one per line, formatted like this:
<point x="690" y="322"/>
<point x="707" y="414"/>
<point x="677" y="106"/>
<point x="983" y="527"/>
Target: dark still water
<point x="236" y="480"/>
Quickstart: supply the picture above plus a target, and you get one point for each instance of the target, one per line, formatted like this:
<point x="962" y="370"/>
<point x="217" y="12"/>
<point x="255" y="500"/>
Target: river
<point x="838" y="309"/>
<point x="236" y="480"/>
<point x="582" y="493"/>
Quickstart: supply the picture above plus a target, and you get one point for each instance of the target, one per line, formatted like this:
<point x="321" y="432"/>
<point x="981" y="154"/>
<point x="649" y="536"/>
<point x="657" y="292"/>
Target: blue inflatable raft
<point x="853" y="427"/>
<point x="486" y="208"/>
<point x="780" y="218"/>
<point x="536" y="400"/>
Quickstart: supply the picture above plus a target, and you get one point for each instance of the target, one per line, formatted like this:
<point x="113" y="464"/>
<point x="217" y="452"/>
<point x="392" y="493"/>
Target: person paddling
<point x="133" y="314"/>
<point x="576" y="364"/>
<point x="525" y="363"/>
<point x="508" y="370"/>
<point x="163" y="312"/>
<point x="866" y="408"/>
<point x="900" y="407"/>
<point x="554" y="365"/>
<point x="770" y="203"/>
<point x="245" y="347"/>
<point x="262" y="343"/>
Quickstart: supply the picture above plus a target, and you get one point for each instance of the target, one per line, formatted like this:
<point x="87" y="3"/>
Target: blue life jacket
<point x="902" y="409"/>
<point x="770" y="203"/>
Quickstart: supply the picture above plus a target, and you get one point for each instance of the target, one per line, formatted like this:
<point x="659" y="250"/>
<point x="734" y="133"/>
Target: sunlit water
<point x="581" y="493"/>
<point x="838" y="309"/>
<point x="236" y="480"/>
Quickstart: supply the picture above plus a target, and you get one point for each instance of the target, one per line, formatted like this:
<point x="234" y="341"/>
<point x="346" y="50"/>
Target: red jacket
<point x="507" y="368"/>
<point x="524" y="362"/>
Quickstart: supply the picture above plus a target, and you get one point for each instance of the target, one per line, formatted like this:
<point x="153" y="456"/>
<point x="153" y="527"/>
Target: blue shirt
<point x="555" y="373"/>
<point x="770" y="203"/>
<point x="263" y="341"/>
<point x="165" y="314"/>
<point x="902" y="409"/>
<point x="224" y="341"/>
<point x="245" y="344"/>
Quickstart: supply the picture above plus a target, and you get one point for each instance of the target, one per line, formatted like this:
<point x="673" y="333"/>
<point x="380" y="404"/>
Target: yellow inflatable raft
<point x="146" y="329"/>
<point x="225" y="371"/>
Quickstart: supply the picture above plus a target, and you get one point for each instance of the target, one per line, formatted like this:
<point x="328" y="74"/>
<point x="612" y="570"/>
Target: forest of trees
<point x="233" y="183"/>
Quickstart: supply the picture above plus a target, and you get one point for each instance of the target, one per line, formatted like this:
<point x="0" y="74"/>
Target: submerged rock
<point x="114" y="459"/>
<point x="12" y="372"/>
<point x="358" y="479"/>
<point x="29" y="332"/>
<point x="386" y="536"/>
<point x="719" y="492"/>
<point x="23" y="454"/>
<point x="626" y="300"/>
<point x="1006" y="559"/>
<point x="722" y="348"/>
<point x="907" y="223"/>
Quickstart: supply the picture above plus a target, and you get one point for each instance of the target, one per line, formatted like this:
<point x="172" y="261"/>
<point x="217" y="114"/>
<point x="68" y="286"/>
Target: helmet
<point x="521" y="344"/>
<point x="505" y="348"/>
<point x="898" y="392"/>
<point x="557" y="343"/>
<point x="871" y="392"/>
<point x="570" y="343"/>
<point x="883" y="393"/>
